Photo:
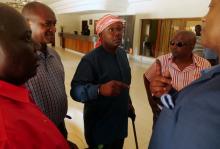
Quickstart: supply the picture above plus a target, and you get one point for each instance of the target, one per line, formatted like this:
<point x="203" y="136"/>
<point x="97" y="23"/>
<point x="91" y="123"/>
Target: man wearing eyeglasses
<point x="181" y="65"/>
<point x="47" y="86"/>
<point x="104" y="88"/>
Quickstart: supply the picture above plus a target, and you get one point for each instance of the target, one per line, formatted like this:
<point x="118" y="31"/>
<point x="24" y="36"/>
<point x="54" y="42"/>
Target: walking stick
<point x="135" y="135"/>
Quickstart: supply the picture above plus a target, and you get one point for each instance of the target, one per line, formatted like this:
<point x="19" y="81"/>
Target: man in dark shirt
<point x="102" y="82"/>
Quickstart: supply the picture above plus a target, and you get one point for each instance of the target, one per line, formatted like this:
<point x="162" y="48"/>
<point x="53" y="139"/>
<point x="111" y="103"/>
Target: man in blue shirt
<point x="193" y="122"/>
<point x="102" y="82"/>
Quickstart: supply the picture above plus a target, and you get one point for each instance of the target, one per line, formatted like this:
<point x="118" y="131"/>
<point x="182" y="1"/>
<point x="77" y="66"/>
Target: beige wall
<point x="70" y="23"/>
<point x="88" y="17"/>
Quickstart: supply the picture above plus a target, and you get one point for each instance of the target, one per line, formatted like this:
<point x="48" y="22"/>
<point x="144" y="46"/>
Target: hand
<point x="160" y="84"/>
<point x="131" y="112"/>
<point x="112" y="88"/>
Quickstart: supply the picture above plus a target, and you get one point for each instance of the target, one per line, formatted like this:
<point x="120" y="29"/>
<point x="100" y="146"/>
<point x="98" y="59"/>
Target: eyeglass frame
<point x="179" y="44"/>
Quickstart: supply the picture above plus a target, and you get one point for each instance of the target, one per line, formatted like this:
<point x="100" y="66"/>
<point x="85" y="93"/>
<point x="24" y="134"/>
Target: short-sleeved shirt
<point x="180" y="79"/>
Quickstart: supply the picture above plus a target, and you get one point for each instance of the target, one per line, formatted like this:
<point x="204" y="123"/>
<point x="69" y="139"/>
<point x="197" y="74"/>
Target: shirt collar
<point x="42" y="55"/>
<point x="12" y="92"/>
<point x="196" y="60"/>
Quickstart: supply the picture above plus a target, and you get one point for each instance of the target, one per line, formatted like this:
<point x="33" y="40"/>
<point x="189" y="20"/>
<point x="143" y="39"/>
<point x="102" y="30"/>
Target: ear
<point x="101" y="36"/>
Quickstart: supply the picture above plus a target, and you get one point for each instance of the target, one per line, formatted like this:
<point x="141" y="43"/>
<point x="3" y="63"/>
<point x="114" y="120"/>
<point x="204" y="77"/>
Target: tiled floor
<point x="144" y="116"/>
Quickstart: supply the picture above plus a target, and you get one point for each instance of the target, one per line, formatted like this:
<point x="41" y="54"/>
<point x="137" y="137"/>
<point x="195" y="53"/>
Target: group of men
<point x="191" y="122"/>
<point x="32" y="83"/>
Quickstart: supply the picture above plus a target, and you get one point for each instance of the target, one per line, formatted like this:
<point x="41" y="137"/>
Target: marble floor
<point x="138" y="95"/>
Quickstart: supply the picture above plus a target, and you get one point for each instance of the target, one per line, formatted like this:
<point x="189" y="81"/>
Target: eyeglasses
<point x="178" y="44"/>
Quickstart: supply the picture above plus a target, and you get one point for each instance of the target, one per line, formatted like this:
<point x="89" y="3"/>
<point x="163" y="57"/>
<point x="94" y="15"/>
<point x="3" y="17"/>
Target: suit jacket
<point x="194" y="123"/>
<point x="105" y="118"/>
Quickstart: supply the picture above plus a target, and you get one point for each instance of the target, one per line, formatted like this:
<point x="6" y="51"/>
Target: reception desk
<point x="78" y="43"/>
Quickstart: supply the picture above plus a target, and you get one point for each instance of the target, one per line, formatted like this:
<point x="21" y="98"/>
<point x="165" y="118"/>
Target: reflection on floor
<point x="144" y="116"/>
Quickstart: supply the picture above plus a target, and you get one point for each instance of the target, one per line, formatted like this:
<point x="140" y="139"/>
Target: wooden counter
<point x="78" y="43"/>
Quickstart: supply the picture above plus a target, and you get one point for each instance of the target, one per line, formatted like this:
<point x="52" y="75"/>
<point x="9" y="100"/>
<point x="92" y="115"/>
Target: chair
<point x="152" y="100"/>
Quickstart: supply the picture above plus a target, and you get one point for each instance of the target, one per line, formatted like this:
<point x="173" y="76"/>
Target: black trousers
<point x="118" y="144"/>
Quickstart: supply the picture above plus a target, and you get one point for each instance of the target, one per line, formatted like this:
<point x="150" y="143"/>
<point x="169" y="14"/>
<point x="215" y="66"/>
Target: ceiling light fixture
<point x="18" y="4"/>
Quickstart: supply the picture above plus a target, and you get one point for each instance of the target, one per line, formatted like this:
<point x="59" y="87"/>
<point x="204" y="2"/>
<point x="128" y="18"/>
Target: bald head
<point x="17" y="58"/>
<point x="11" y="21"/>
<point x="182" y="45"/>
<point x="35" y="9"/>
<point x="41" y="20"/>
<point x="188" y="36"/>
<point x="198" y="29"/>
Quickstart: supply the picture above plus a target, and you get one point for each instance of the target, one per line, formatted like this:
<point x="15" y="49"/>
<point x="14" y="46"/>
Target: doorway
<point x="84" y="24"/>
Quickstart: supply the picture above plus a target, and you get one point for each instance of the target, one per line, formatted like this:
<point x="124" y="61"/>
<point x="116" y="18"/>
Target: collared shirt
<point x="180" y="79"/>
<point x="47" y="86"/>
<point x="22" y="125"/>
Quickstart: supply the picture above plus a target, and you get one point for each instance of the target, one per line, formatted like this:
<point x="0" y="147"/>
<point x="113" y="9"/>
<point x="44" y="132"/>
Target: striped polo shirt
<point x="180" y="79"/>
<point x="47" y="86"/>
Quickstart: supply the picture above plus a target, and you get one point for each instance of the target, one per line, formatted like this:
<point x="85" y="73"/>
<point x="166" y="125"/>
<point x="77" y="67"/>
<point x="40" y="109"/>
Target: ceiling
<point x="44" y="1"/>
<point x="87" y="6"/>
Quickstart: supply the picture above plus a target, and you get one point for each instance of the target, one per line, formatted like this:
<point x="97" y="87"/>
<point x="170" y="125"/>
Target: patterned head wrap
<point x="103" y="23"/>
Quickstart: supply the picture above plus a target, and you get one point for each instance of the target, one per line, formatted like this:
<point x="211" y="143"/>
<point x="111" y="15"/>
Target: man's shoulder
<point x="93" y="54"/>
<point x="53" y="52"/>
<point x="164" y="59"/>
<point x="200" y="61"/>
<point x="165" y="56"/>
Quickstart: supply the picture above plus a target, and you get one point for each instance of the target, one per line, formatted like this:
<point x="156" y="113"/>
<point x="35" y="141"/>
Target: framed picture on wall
<point x="90" y="21"/>
<point x="95" y="22"/>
